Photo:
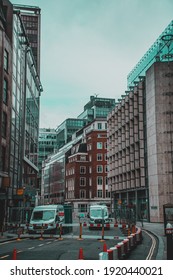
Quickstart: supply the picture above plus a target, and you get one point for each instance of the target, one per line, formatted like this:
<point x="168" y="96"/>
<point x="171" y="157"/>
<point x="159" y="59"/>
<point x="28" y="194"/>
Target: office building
<point x="140" y="134"/>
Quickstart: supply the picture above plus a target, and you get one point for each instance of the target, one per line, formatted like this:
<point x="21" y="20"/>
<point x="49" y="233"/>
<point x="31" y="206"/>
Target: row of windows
<point x="82" y="183"/>
<point x="100" y="145"/>
<point x="83" y="158"/>
<point x="82" y="194"/>
<point x="83" y="170"/>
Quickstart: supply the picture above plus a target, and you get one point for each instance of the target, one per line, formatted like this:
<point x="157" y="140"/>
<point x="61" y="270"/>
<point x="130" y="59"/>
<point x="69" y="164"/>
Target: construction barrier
<point x="122" y="249"/>
<point x="115" y="252"/>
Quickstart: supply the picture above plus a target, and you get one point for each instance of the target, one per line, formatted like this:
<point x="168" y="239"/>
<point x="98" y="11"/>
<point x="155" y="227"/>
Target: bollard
<point x="103" y="231"/>
<point x="18" y="235"/>
<point x="104" y="247"/>
<point x="81" y="256"/>
<point x="110" y="254"/>
<point x="14" y="255"/>
<point x="80" y="232"/>
<point x="41" y="233"/>
<point x="119" y="251"/>
<point x="103" y="256"/>
<point x="60" y="232"/>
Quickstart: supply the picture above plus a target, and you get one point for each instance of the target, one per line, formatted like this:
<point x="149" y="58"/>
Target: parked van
<point x="98" y="216"/>
<point x="46" y="218"/>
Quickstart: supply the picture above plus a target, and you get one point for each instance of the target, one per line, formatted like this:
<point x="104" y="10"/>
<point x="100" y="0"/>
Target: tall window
<point x="4" y="124"/>
<point x="99" y="125"/>
<point x="6" y="60"/>
<point x="82" y="181"/>
<point x="2" y="159"/>
<point x="99" y="157"/>
<point x="82" y="169"/>
<point x="100" y="180"/>
<point x="82" y="194"/>
<point x="99" y="193"/>
<point x="82" y="207"/>
<point x="5" y="92"/>
<point x="99" y="168"/>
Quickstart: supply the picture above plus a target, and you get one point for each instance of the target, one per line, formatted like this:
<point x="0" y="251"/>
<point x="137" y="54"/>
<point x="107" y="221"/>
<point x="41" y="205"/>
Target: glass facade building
<point x="26" y="90"/>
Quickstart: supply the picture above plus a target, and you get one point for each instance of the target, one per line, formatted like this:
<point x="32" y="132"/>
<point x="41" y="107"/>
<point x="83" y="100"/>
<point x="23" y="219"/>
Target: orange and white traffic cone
<point x="14" y="255"/>
<point x="104" y="247"/>
<point x="81" y="256"/>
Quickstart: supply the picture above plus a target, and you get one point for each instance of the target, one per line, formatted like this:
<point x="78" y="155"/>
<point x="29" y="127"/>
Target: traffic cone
<point x="104" y="247"/>
<point x="81" y="257"/>
<point x="14" y="256"/>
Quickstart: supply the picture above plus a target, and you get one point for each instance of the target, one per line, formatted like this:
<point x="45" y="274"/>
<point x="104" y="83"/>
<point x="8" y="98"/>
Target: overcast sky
<point x="89" y="47"/>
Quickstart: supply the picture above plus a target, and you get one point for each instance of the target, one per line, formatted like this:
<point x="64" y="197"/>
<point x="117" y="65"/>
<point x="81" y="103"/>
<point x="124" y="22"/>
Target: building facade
<point x="127" y="155"/>
<point x="86" y="168"/>
<point x="20" y="119"/>
<point x="6" y="12"/>
<point x="140" y="143"/>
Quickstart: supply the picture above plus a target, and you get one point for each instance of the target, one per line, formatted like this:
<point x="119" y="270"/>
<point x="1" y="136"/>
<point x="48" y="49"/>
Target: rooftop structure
<point x="161" y="50"/>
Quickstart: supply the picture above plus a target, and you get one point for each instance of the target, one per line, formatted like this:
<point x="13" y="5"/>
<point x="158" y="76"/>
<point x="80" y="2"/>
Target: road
<point x="53" y="248"/>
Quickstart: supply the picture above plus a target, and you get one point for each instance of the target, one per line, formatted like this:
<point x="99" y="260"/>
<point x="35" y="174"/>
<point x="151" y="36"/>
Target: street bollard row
<point x="123" y="249"/>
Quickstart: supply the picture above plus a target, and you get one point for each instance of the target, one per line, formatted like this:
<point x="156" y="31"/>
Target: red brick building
<point x="86" y="169"/>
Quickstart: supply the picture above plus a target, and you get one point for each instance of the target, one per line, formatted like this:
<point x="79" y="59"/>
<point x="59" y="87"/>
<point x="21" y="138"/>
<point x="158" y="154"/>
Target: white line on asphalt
<point x="40" y="245"/>
<point x="6" y="256"/>
<point x="31" y="248"/>
<point x="49" y="242"/>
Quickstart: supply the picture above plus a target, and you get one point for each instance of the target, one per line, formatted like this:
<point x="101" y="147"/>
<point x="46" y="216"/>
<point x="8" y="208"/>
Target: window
<point x="82" y="169"/>
<point x="99" y="193"/>
<point x="6" y="60"/>
<point x="82" y="181"/>
<point x="82" y="158"/>
<point x="90" y="169"/>
<point x="106" y="168"/>
<point x="99" y="168"/>
<point x="99" y="145"/>
<point x="99" y="125"/>
<point x="100" y="180"/>
<point x="4" y="124"/>
<point x="108" y="194"/>
<point x="99" y="157"/>
<point x="89" y="147"/>
<point x="5" y="92"/>
<point x="82" y="194"/>
<point x="2" y="159"/>
<point x="82" y="207"/>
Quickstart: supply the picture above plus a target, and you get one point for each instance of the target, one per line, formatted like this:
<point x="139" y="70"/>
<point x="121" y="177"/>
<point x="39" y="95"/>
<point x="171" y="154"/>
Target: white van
<point x="46" y="218"/>
<point x="99" y="216"/>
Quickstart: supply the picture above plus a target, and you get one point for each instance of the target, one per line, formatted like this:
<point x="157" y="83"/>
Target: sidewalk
<point x="158" y="230"/>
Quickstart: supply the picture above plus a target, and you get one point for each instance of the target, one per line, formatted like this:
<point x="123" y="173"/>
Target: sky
<point x="88" y="47"/>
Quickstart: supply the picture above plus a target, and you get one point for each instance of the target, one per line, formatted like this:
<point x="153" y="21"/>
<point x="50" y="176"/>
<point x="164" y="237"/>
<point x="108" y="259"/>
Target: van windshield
<point x="43" y="215"/>
<point x="98" y="212"/>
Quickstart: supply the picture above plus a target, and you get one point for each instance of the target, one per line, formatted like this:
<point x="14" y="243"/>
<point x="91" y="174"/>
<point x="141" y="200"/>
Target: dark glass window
<point x="6" y="60"/>
<point x="4" y="124"/>
<point x="5" y="92"/>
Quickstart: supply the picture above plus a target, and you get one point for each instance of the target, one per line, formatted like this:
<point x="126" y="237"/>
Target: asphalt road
<point x="68" y="249"/>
